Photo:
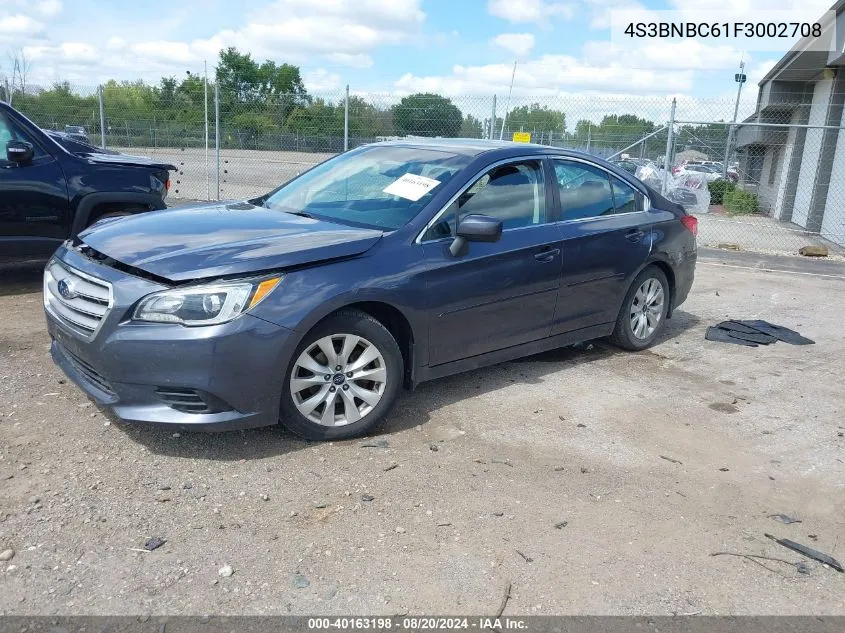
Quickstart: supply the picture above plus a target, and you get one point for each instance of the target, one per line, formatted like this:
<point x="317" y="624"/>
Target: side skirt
<point x="423" y="374"/>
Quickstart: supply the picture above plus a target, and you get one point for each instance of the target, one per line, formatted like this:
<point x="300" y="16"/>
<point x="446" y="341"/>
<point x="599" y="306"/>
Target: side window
<point x="9" y="131"/>
<point x="584" y="191"/>
<point x="513" y="193"/>
<point x="627" y="198"/>
<point x="5" y="134"/>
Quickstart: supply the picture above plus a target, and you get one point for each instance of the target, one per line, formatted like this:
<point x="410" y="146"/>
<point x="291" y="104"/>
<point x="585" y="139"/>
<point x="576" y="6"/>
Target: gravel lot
<point x="595" y="481"/>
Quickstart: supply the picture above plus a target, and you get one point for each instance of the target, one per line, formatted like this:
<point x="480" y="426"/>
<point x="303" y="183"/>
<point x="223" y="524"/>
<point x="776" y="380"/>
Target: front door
<point x="606" y="234"/>
<point x="501" y="294"/>
<point x="34" y="210"/>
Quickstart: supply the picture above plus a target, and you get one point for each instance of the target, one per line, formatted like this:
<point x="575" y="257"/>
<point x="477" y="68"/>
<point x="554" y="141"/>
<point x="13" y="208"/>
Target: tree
<point x="425" y="114"/>
<point x="246" y="85"/>
<point x="365" y="120"/>
<point x="20" y="66"/>
<point x="471" y="127"/>
<point x="709" y="139"/>
<point x="318" y="118"/>
<point x="536" y="119"/>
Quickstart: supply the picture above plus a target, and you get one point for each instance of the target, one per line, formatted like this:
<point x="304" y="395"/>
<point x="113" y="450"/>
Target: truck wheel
<point x="114" y="214"/>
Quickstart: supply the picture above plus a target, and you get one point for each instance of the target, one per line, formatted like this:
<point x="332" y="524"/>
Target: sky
<point x="460" y="48"/>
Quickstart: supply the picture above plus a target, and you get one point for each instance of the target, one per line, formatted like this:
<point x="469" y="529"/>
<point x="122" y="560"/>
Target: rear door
<point x="606" y="233"/>
<point x="34" y="209"/>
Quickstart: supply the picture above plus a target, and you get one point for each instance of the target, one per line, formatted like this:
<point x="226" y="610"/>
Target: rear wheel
<point x="643" y="312"/>
<point x="116" y="214"/>
<point x="343" y="379"/>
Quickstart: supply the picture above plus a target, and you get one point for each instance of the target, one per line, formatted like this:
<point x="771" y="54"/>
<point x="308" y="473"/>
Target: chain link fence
<point x="776" y="179"/>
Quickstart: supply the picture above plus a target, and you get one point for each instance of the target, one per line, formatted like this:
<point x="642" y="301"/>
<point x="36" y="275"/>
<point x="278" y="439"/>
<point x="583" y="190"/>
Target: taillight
<point x="690" y="222"/>
<point x="166" y="186"/>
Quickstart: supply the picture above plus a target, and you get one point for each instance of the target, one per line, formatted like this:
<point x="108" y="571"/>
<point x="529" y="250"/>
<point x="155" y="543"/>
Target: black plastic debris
<point x="754" y="333"/>
<point x="154" y="543"/>
<point x="725" y="336"/>
<point x="808" y="552"/>
<point x="779" y="332"/>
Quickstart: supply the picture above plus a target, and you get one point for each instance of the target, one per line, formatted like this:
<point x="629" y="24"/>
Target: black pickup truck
<point x="53" y="186"/>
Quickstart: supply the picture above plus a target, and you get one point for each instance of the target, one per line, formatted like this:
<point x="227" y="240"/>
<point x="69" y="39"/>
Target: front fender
<point x="86" y="205"/>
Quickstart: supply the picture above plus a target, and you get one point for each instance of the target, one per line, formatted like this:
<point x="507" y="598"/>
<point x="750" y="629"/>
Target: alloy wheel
<point x="647" y="308"/>
<point x="338" y="379"/>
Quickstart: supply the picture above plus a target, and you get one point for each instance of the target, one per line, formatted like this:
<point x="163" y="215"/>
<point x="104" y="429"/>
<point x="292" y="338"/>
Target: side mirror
<point x="476" y="228"/>
<point x="19" y="152"/>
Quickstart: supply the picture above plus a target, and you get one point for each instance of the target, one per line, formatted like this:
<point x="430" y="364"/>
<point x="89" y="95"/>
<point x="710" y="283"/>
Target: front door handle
<point x="635" y="235"/>
<point x="547" y="255"/>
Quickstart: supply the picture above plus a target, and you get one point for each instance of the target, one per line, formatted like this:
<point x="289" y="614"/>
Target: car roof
<point x="475" y="146"/>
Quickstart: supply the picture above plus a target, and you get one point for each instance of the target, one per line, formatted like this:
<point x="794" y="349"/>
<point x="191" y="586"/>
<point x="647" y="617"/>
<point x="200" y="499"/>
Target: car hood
<point x="223" y="239"/>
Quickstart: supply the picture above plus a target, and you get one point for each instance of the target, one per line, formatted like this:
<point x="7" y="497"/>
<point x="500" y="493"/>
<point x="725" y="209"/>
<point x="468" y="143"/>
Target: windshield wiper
<point x="301" y="214"/>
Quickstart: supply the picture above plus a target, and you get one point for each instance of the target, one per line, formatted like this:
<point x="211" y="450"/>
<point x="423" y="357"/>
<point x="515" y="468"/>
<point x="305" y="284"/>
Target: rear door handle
<point x="547" y="255"/>
<point x="635" y="235"/>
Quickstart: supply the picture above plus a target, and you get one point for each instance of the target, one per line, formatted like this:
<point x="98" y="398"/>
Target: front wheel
<point x="643" y="312"/>
<point x="343" y="379"/>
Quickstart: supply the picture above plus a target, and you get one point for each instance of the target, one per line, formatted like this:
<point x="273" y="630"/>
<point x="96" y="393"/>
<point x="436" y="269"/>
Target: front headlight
<point x="204" y="305"/>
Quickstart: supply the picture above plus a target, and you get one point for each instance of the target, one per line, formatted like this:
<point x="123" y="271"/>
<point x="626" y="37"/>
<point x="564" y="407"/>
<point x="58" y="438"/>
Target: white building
<point x="798" y="170"/>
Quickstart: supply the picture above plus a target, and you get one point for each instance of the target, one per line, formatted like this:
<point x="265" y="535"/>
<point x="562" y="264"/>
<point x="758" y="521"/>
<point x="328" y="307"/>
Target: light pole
<point x="740" y="79"/>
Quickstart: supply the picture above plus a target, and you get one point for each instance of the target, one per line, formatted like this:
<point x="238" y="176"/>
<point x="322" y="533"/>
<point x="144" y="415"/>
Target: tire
<point x="312" y="385"/>
<point x="118" y="214"/>
<point x="653" y="283"/>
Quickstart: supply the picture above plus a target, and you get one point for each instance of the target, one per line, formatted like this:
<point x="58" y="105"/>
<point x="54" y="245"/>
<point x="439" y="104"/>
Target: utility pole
<point x="667" y="160"/>
<point x="740" y="79"/>
<point x="102" y="117"/>
<point x="205" y="103"/>
<point x="346" y="120"/>
<point x="493" y="120"/>
<point x="508" y="104"/>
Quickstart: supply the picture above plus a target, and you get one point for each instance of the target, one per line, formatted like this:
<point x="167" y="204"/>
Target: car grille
<point x="78" y="300"/>
<point x="91" y="374"/>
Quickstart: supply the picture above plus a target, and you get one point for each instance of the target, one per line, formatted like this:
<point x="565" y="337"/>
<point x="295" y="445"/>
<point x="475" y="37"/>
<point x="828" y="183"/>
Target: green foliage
<point x="471" y="127"/>
<point x="718" y="189"/>
<point x="615" y="132"/>
<point x="264" y="105"/>
<point x="709" y="139"/>
<point x="739" y="202"/>
<point x="254" y="123"/>
<point x="247" y="85"/>
<point x="425" y="114"/>
<point x="536" y="119"/>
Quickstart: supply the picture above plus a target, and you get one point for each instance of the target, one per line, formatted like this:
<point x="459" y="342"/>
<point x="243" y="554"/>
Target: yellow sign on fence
<point x="522" y="137"/>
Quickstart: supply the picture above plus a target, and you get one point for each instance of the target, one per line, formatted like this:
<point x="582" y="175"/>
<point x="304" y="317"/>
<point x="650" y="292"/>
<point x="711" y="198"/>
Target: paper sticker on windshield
<point x="411" y="187"/>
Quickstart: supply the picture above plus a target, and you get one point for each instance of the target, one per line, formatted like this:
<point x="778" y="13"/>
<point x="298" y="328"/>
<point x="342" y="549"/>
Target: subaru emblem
<point x="65" y="288"/>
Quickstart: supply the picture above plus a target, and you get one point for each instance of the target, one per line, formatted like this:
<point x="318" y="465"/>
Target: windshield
<point x="381" y="187"/>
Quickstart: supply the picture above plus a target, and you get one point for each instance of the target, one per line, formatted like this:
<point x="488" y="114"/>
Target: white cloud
<point x="72" y="52"/>
<point x="600" y="11"/>
<point x="519" y="44"/>
<point x="549" y="75"/>
<point x="48" y="8"/>
<point x="296" y="31"/>
<point x="525" y="11"/>
<point x="359" y="60"/>
<point x="19" y="25"/>
<point x="685" y="54"/>
<point x="756" y="71"/>
<point x="321" y="81"/>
